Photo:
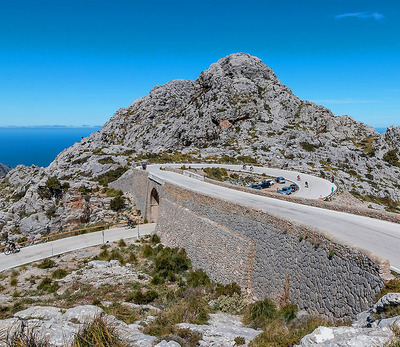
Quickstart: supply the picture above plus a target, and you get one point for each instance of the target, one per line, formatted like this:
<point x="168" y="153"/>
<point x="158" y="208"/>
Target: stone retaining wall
<point x="135" y="184"/>
<point x="266" y="255"/>
<point x="269" y="256"/>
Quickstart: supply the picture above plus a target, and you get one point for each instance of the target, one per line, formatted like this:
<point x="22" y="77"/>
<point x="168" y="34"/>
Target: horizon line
<point x="51" y="126"/>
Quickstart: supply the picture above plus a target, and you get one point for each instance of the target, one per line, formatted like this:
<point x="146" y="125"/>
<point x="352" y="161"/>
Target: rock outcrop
<point x="59" y="327"/>
<point x="237" y="110"/>
<point x="4" y="169"/>
<point x="374" y="327"/>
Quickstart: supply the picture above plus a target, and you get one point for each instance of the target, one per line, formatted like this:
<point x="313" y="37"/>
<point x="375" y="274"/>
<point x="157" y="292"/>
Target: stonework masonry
<point x="266" y="255"/>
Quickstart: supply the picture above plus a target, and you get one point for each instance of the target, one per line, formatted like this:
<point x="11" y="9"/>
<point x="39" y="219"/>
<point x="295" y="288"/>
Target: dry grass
<point x="98" y="333"/>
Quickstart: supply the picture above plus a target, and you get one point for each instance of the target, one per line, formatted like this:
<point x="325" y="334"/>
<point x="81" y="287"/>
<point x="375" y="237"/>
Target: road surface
<point x="379" y="237"/>
<point x="68" y="244"/>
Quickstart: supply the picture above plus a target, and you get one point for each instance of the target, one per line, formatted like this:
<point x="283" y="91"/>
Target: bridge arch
<point x="154" y="205"/>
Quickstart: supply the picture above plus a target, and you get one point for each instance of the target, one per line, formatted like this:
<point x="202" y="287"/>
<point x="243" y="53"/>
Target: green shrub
<point x="121" y="243"/>
<point x="132" y="257"/>
<point x="140" y="298"/>
<point x="216" y="173"/>
<point x="112" y="193"/>
<point x="157" y="279"/>
<point x="258" y="313"/>
<point x="240" y="340"/>
<point x="229" y="304"/>
<point x="46" y="285"/>
<point x="13" y="281"/>
<point x="169" y="262"/>
<point x="289" y="312"/>
<point x="46" y="264"/>
<point x="106" y="160"/>
<point x="309" y="147"/>
<point x="391" y="157"/>
<point x="59" y="273"/>
<point x="155" y="239"/>
<point x="392" y="286"/>
<point x="198" y="278"/>
<point x="110" y="176"/>
<point x="117" y="203"/>
<point x="147" y="251"/>
<point x="228" y="289"/>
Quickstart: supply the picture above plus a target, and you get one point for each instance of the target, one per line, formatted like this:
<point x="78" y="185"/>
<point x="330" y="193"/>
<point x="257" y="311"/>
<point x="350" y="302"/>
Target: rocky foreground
<point x="125" y="288"/>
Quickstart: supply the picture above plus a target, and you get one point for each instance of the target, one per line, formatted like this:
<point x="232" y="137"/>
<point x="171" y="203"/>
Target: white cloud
<point x="365" y="15"/>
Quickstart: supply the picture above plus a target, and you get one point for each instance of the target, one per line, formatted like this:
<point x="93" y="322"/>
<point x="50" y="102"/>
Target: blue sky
<point x="75" y="62"/>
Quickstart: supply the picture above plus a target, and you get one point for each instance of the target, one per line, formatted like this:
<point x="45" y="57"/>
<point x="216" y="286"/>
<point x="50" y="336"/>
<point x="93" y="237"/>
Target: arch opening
<point x="154" y="204"/>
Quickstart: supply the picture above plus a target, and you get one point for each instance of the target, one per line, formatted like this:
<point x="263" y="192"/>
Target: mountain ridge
<point x="238" y="111"/>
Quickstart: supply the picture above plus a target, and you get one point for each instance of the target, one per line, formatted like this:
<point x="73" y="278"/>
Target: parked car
<point x="294" y="187"/>
<point x="270" y="181"/>
<point x="266" y="184"/>
<point x="284" y="190"/>
<point x="280" y="180"/>
<point x="255" y="186"/>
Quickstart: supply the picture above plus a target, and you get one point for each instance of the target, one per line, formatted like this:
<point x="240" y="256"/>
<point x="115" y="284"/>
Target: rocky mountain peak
<point x="236" y="68"/>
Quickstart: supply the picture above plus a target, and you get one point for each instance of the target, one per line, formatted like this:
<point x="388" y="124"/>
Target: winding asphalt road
<point x="379" y="237"/>
<point x="68" y="244"/>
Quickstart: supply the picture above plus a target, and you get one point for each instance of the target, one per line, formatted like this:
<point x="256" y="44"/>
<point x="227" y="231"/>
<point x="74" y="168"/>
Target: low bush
<point x="240" y="340"/>
<point x="140" y="298"/>
<point x="59" y="273"/>
<point x="198" y="278"/>
<point x="392" y="286"/>
<point x="228" y="289"/>
<point x="155" y="239"/>
<point x="110" y="176"/>
<point x="99" y="333"/>
<point x="121" y="243"/>
<point x="258" y="313"/>
<point x="230" y="304"/>
<point x="46" y="264"/>
<point x="117" y="203"/>
<point x="47" y="285"/>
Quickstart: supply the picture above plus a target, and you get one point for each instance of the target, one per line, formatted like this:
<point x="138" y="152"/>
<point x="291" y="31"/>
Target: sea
<point x="38" y="145"/>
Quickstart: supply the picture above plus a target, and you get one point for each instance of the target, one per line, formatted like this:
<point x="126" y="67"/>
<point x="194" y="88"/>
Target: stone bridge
<point x="267" y="254"/>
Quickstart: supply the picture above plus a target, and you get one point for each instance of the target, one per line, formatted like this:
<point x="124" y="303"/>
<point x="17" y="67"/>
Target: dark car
<point x="280" y="180"/>
<point x="294" y="187"/>
<point x="266" y="184"/>
<point x="255" y="186"/>
<point x="284" y="190"/>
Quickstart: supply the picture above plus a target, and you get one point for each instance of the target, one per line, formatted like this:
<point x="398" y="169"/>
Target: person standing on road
<point x="306" y="184"/>
<point x="333" y="179"/>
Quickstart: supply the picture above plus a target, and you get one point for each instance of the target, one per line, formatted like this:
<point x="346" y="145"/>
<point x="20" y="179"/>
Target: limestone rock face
<point x="367" y="330"/>
<point x="59" y="327"/>
<point x="4" y="169"/>
<point x="347" y="336"/>
<point x="237" y="109"/>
